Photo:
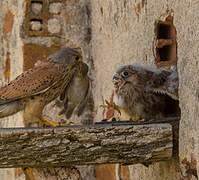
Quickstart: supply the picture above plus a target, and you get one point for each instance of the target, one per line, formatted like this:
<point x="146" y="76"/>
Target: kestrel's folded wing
<point x="32" y="82"/>
<point x="165" y="82"/>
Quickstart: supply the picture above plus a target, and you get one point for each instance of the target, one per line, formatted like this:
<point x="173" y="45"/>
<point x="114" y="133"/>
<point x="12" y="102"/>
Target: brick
<point x="8" y="23"/>
<point x="105" y="172"/>
<point x="33" y="53"/>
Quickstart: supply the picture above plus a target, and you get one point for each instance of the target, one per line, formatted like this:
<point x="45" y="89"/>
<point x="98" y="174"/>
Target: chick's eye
<point x="125" y="74"/>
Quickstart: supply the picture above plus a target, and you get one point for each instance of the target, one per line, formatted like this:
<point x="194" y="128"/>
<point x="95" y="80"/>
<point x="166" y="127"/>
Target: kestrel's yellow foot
<point x="137" y="119"/>
<point x="47" y="122"/>
<point x="111" y="105"/>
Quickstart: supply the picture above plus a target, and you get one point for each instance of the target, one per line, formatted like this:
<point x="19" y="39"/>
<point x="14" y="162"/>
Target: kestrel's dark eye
<point x="125" y="74"/>
<point x="78" y="58"/>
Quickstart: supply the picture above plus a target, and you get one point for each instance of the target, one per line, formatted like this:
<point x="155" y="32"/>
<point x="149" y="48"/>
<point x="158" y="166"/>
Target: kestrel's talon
<point x="137" y="119"/>
<point x="111" y="105"/>
<point x="47" y="122"/>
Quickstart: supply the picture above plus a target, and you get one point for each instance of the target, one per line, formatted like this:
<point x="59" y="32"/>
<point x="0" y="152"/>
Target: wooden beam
<point x="85" y="145"/>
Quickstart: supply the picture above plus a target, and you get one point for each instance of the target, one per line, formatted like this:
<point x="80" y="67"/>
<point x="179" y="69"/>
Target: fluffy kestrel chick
<point x="35" y="88"/>
<point x="76" y="95"/>
<point x="146" y="92"/>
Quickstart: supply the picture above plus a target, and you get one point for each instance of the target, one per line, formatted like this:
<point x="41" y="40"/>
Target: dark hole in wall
<point x="36" y="20"/>
<point x="37" y="2"/>
<point x="165" y="43"/>
<point x="163" y="31"/>
<point x="165" y="53"/>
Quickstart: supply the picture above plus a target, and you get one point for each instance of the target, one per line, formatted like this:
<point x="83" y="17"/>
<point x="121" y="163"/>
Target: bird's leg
<point x="111" y="105"/>
<point x="46" y="122"/>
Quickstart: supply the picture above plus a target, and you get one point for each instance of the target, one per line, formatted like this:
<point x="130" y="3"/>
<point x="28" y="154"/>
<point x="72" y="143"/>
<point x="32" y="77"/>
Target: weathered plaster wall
<point x="11" y="62"/>
<point x="11" y="47"/>
<point x="188" y="62"/>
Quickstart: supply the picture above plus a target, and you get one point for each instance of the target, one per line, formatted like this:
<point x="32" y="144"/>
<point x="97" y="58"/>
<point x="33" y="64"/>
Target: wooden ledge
<point x="85" y="145"/>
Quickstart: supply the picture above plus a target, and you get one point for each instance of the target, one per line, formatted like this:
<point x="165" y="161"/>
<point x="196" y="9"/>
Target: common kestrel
<point x="76" y="94"/>
<point x="146" y="92"/>
<point x="35" y="88"/>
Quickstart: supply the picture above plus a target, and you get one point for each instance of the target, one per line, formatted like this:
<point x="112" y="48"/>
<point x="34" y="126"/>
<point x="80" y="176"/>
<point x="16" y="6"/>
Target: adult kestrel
<point x="76" y="94"/>
<point x="35" y="88"/>
<point x="146" y="92"/>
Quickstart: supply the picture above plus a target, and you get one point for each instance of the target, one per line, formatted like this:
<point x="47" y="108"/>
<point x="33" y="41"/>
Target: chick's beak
<point x="115" y="78"/>
<point x="118" y="81"/>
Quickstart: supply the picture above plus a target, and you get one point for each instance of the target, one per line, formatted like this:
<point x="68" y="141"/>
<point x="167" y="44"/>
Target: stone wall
<point x="110" y="33"/>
